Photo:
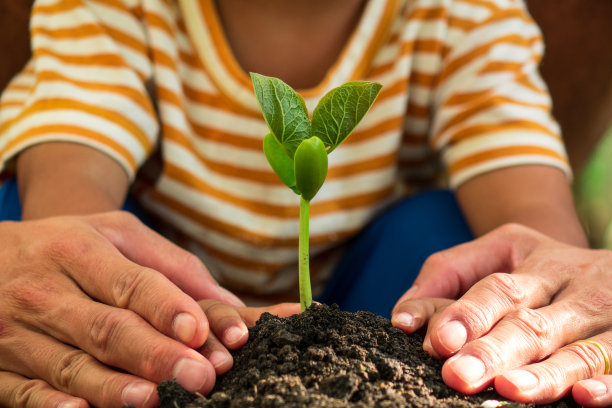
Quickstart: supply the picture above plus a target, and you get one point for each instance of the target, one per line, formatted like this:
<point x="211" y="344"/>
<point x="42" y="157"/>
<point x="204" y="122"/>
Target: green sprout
<point x="297" y="148"/>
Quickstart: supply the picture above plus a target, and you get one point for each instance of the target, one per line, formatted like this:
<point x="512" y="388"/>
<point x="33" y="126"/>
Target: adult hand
<point x="99" y="309"/>
<point x="524" y="300"/>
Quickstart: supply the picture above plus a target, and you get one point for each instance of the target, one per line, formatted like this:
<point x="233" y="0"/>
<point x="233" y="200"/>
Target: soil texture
<point x="325" y="357"/>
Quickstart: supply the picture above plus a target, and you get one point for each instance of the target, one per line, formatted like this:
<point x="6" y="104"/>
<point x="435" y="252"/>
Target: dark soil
<point x="325" y="357"/>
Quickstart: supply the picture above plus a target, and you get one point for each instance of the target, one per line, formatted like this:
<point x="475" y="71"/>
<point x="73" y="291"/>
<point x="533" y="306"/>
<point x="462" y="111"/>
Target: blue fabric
<point x="10" y="206"/>
<point x="383" y="261"/>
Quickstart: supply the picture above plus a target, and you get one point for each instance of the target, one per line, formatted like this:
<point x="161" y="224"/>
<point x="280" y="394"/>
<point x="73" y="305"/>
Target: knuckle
<point x="69" y="367"/>
<point x="154" y="358"/>
<point x="22" y="296"/>
<point x="69" y="244"/>
<point x="117" y="217"/>
<point x="32" y="294"/>
<point x="590" y="355"/>
<point x="126" y="217"/>
<point x="123" y="219"/>
<point x="218" y="308"/>
<point x="513" y="229"/>
<point x="25" y="394"/>
<point x="104" y="328"/>
<point x="553" y="379"/>
<point x="221" y="315"/>
<point x="489" y="351"/>
<point x="191" y="261"/>
<point x="506" y="285"/>
<point x="113" y="223"/>
<point x="438" y="260"/>
<point x="533" y="322"/>
<point x="478" y="319"/>
<point x="534" y="326"/>
<point x="126" y="286"/>
<point x="111" y="388"/>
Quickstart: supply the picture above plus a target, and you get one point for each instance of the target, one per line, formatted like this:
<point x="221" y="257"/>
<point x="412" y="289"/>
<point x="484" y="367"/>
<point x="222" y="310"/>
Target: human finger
<point x="552" y="378"/>
<point x="226" y="323"/>
<point x="108" y="334"/>
<point x="217" y="354"/>
<point x="412" y="314"/>
<point x="250" y="315"/>
<point x="488" y="301"/>
<point x="101" y="271"/>
<point x="71" y="372"/>
<point x="18" y="391"/>
<point x="594" y="392"/>
<point x="230" y="323"/>
<point x="450" y="273"/>
<point x="146" y="247"/>
<point x="521" y="337"/>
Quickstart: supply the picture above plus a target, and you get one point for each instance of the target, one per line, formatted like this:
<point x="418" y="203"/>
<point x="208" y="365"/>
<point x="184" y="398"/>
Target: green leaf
<point x="280" y="161"/>
<point x="341" y="110"/>
<point x="310" y="163"/>
<point x="283" y="109"/>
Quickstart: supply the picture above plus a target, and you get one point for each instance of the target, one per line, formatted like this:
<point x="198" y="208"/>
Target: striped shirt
<point x="461" y="93"/>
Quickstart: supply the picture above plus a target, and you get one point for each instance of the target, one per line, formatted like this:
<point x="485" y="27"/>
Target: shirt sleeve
<point x="85" y="83"/>
<point x="492" y="108"/>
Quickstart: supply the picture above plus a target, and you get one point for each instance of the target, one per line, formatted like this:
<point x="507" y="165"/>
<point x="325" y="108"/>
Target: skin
<point x="144" y="286"/>
<point x="298" y="31"/>
<point x="71" y="194"/>
<point x="536" y="196"/>
<point x="523" y="300"/>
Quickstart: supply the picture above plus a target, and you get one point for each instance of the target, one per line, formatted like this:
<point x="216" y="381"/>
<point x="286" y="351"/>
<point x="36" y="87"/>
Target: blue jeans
<point x="384" y="259"/>
<point x="381" y="262"/>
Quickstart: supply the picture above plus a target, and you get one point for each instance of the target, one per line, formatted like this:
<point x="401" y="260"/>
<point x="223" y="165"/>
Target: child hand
<point x="229" y="328"/>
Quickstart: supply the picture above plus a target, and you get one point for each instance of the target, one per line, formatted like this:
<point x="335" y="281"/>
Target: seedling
<point x="297" y="148"/>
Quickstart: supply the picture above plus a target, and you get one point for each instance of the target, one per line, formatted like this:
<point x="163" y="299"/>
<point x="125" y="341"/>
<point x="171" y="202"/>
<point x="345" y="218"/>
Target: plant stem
<point x="304" y="266"/>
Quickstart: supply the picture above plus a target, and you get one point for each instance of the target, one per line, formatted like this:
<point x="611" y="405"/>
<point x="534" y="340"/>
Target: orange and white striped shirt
<point x="461" y="91"/>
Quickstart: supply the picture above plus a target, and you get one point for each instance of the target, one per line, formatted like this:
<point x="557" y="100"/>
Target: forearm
<point x="535" y="196"/>
<point x="68" y="178"/>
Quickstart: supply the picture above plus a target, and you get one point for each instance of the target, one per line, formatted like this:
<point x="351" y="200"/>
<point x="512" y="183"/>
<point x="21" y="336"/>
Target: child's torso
<point x="296" y="41"/>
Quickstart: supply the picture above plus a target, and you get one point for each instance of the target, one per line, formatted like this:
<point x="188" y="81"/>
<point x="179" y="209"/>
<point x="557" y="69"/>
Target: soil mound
<point x="325" y="357"/>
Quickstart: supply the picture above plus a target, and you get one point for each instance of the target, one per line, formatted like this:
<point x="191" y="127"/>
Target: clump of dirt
<point x="325" y="357"/>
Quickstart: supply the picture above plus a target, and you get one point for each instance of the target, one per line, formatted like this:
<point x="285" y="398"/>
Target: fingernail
<point x="403" y="319"/>
<point x="596" y="389"/>
<point x="69" y="404"/>
<point x="184" y="327"/>
<point x="137" y="394"/>
<point x="468" y="368"/>
<point x="428" y="347"/>
<point x="218" y="358"/>
<point x="452" y="335"/>
<point x="522" y="380"/>
<point x="190" y="374"/>
<point x="230" y="297"/>
<point x="234" y="334"/>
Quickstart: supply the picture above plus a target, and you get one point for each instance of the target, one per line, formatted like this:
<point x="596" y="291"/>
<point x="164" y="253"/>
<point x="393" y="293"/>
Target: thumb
<point x="450" y="273"/>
